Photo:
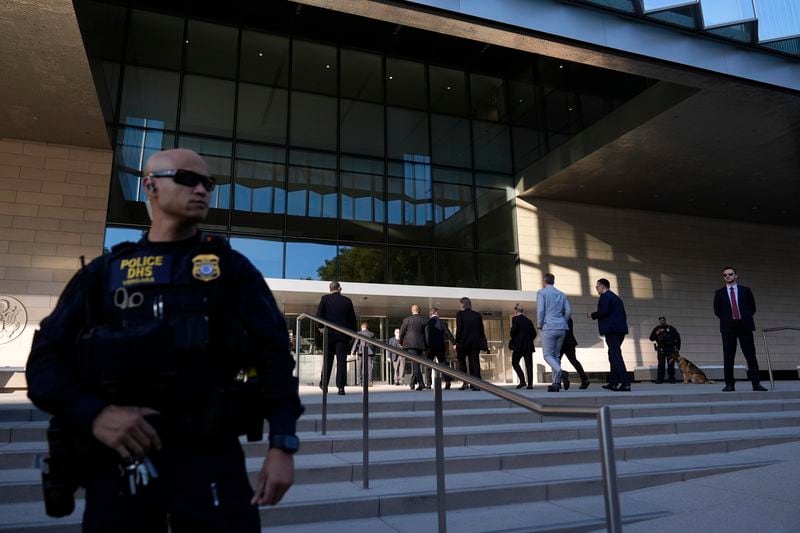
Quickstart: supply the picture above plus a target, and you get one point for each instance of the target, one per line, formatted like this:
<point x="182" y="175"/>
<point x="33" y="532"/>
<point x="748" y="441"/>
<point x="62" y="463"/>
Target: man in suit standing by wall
<point x="552" y="313"/>
<point x="612" y="322"/>
<point x="337" y="308"/>
<point x="437" y="335"/>
<point x="521" y="344"/>
<point x="470" y="340"/>
<point x="735" y="306"/>
<point x="412" y="338"/>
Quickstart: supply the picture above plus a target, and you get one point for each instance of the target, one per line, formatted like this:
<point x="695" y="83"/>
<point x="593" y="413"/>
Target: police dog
<point x="689" y="370"/>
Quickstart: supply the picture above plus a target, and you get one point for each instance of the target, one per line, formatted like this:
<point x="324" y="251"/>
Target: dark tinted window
<point x="454" y="215"/>
<point x="450" y="138"/>
<point x="488" y="98"/>
<point x="314" y="67"/>
<point x="498" y="271"/>
<point x="492" y="146"/>
<point x="496" y="219"/>
<point x="149" y="98"/>
<point x="455" y="269"/>
<point x="313" y="121"/>
<point x="259" y="198"/>
<point x="310" y="260"/>
<point x="410" y="203"/>
<point x="361" y="128"/>
<point x="411" y="266"/>
<point x="264" y="59"/>
<point x="407" y="133"/>
<point x="362" y="75"/>
<point x="312" y="199"/>
<point x="262" y="113"/>
<point x="207" y="105"/>
<point x="405" y="83"/>
<point x="448" y="91"/>
<point x="155" y="40"/>
<point x="211" y="49"/>
<point x="362" y="199"/>
<point x="365" y="264"/>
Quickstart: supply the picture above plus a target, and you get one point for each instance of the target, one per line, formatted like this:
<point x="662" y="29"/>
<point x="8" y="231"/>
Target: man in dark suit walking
<point x="612" y="322"/>
<point x="521" y="344"/>
<point x="470" y="340"/>
<point x="338" y="309"/>
<point x="437" y="335"/>
<point x="412" y="338"/>
<point x="735" y="306"/>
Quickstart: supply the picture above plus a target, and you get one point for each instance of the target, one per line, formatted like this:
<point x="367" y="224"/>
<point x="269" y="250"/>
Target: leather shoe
<point x="584" y="385"/>
<point x="463" y="387"/>
<point x="341" y="392"/>
<point x="529" y="387"/>
<point x="420" y="387"/>
<point x="609" y="386"/>
<point x="758" y="387"/>
<point x="553" y="388"/>
<point x="473" y="387"/>
<point x="672" y="380"/>
<point x="729" y="388"/>
<point x="565" y="379"/>
<point x="659" y="381"/>
<point x="623" y="388"/>
<point x="521" y="385"/>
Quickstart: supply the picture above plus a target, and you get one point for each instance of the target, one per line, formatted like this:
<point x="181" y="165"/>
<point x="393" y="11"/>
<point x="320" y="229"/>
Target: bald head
<point x="176" y="158"/>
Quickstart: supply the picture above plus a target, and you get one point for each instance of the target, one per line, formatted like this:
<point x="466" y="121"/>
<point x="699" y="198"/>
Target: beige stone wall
<point x="53" y="201"/>
<point x="662" y="264"/>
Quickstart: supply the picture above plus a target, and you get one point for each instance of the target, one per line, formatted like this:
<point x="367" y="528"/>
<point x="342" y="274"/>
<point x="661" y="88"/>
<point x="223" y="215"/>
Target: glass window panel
<point x="450" y="141"/>
<point x="106" y="75"/>
<point x="155" y="39"/>
<point x="211" y="49"/>
<point x="498" y="181"/>
<point x="310" y="260"/>
<point x="492" y="146"/>
<point x="363" y="206"/>
<point x="593" y="107"/>
<point x="361" y="128"/>
<point x="266" y="255"/>
<point x="262" y="113"/>
<point x="314" y="67"/>
<point x="102" y="28"/>
<point x="313" y="121"/>
<point x="682" y="16"/>
<point x="265" y="59"/>
<point x="738" y="32"/>
<point x="259" y="197"/>
<point x="411" y="266"/>
<point x="407" y="133"/>
<point x="499" y="271"/>
<point x="364" y="264"/>
<point x="448" y="175"/>
<point x="777" y="19"/>
<point x="496" y="226"/>
<point x="207" y="105"/>
<point x="488" y="97"/>
<point x="448" y="91"/>
<point x="149" y="98"/>
<point x="528" y="146"/>
<point x="454" y="215"/>
<point x="724" y="12"/>
<point x="523" y="99"/>
<point x="218" y="156"/>
<point x="620" y="5"/>
<point x="455" y="269"/>
<point x="405" y="83"/>
<point x="362" y="75"/>
<point x="410" y="202"/>
<point x="114" y="236"/>
<point x="654" y="5"/>
<point x="789" y="46"/>
<point x="312" y="199"/>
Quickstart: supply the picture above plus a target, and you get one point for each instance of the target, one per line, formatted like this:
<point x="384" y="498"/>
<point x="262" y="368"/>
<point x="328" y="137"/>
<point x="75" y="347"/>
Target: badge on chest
<point x="205" y="267"/>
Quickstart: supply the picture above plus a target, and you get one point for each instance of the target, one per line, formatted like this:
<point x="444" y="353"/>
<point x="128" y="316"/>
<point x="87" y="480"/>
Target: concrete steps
<point x="496" y="455"/>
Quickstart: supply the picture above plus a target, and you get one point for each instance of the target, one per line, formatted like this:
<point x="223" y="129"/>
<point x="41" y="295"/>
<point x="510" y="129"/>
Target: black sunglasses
<point x="187" y="178"/>
<point x="729" y="275"/>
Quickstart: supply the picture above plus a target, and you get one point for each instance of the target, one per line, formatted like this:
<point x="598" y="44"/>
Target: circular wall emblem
<point x="13" y="319"/>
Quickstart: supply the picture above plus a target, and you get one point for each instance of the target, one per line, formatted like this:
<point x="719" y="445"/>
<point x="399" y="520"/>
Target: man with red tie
<point x="735" y="306"/>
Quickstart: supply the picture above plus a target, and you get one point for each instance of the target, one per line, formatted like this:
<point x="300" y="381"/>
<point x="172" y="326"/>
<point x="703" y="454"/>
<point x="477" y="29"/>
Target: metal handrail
<point x="766" y="350"/>
<point x="602" y="414"/>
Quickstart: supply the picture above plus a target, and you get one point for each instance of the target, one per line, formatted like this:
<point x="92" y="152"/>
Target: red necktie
<point x="734" y="306"/>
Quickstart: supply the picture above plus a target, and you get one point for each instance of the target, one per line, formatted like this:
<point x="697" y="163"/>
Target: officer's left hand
<point x="275" y="478"/>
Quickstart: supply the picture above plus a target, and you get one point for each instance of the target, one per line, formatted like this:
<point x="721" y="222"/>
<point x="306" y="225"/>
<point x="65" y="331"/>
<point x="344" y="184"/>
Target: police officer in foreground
<point x="668" y="342"/>
<point x="156" y="357"/>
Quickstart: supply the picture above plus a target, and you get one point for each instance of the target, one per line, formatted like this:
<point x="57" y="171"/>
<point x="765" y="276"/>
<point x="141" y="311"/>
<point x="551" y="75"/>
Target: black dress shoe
<point x="659" y="381"/>
<point x="447" y="386"/>
<point x="341" y="392"/>
<point x="565" y="379"/>
<point x="420" y="387"/>
<point x="463" y="387"/>
<point x="473" y="387"/>
<point x="609" y="386"/>
<point x="672" y="380"/>
<point x="759" y="388"/>
<point x="729" y="388"/>
<point x="553" y="388"/>
<point x="521" y="385"/>
<point x="584" y="385"/>
<point x="623" y="388"/>
<point x="529" y="387"/>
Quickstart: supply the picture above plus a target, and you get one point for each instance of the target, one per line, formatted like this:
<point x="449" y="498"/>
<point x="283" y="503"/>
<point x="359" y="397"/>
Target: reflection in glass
<point x="264" y="59"/>
<point x="498" y="181"/>
<point x="655" y="5"/>
<point x="411" y="266"/>
<point x="407" y="133"/>
<point x="405" y="83"/>
<point x="362" y="199"/>
<point x="362" y="77"/>
<point x="450" y="141"/>
<point x="448" y="91"/>
<point x="454" y="215"/>
<point x="523" y="99"/>
<point x="155" y="40"/>
<point x="207" y="105"/>
<point x="488" y="98"/>
<point x="266" y="255"/>
<point x="211" y="49"/>
<point x="102" y="28"/>
<point x="312" y="195"/>
<point x="738" y="32"/>
<point x="217" y="155"/>
<point x="499" y="271"/>
<point x="149" y="98"/>
<point x="262" y="113"/>
<point x="528" y="146"/>
<point x="409" y="206"/>
<point x="313" y="121"/>
<point x="496" y="221"/>
<point x="310" y="260"/>
<point x="361" y="128"/>
<point x="313" y="67"/>
<point x="492" y="146"/>
<point x="680" y="16"/>
<point x="115" y="235"/>
<point x="259" y="198"/>
<point x="364" y="264"/>
<point x="455" y="269"/>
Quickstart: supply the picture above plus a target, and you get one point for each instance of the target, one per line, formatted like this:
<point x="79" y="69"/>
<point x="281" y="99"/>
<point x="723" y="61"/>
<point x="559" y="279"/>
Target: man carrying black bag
<point x="156" y="357"/>
<point x="523" y="334"/>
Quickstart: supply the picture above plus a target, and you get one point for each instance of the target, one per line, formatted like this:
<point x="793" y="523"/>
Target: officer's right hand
<point x="125" y="430"/>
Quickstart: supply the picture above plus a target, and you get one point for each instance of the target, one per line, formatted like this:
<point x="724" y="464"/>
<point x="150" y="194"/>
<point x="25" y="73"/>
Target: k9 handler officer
<point x="144" y="362"/>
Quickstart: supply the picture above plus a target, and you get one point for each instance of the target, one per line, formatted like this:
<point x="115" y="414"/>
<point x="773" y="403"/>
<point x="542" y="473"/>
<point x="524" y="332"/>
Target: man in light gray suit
<point x="361" y="348"/>
<point x="552" y="316"/>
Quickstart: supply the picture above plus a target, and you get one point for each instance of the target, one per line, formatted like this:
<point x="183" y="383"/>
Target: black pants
<point x="198" y="490"/>
<point x="745" y="339"/>
<point x="338" y="347"/>
<point x="619" y="374"/>
<point x="438" y="356"/>
<point x="472" y="358"/>
<point x="663" y="357"/>
<point x="516" y="355"/>
<point x="569" y="351"/>
<point x="416" y="369"/>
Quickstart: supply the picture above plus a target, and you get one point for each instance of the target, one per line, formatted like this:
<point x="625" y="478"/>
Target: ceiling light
<point x="260" y="54"/>
<point x="561" y="66"/>
<point x="391" y="77"/>
<point x="186" y="41"/>
<point x="327" y="66"/>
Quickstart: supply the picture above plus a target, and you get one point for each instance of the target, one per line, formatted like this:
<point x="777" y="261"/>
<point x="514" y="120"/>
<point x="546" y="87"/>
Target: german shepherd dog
<point x="689" y="370"/>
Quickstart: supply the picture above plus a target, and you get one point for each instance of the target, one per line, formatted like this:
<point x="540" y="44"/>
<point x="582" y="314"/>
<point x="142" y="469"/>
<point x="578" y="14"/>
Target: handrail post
<point x="769" y="360"/>
<point x="297" y="349"/>
<point x="441" y="502"/>
<point x="365" y="417"/>
<point x="325" y="379"/>
<point x="609" y="465"/>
